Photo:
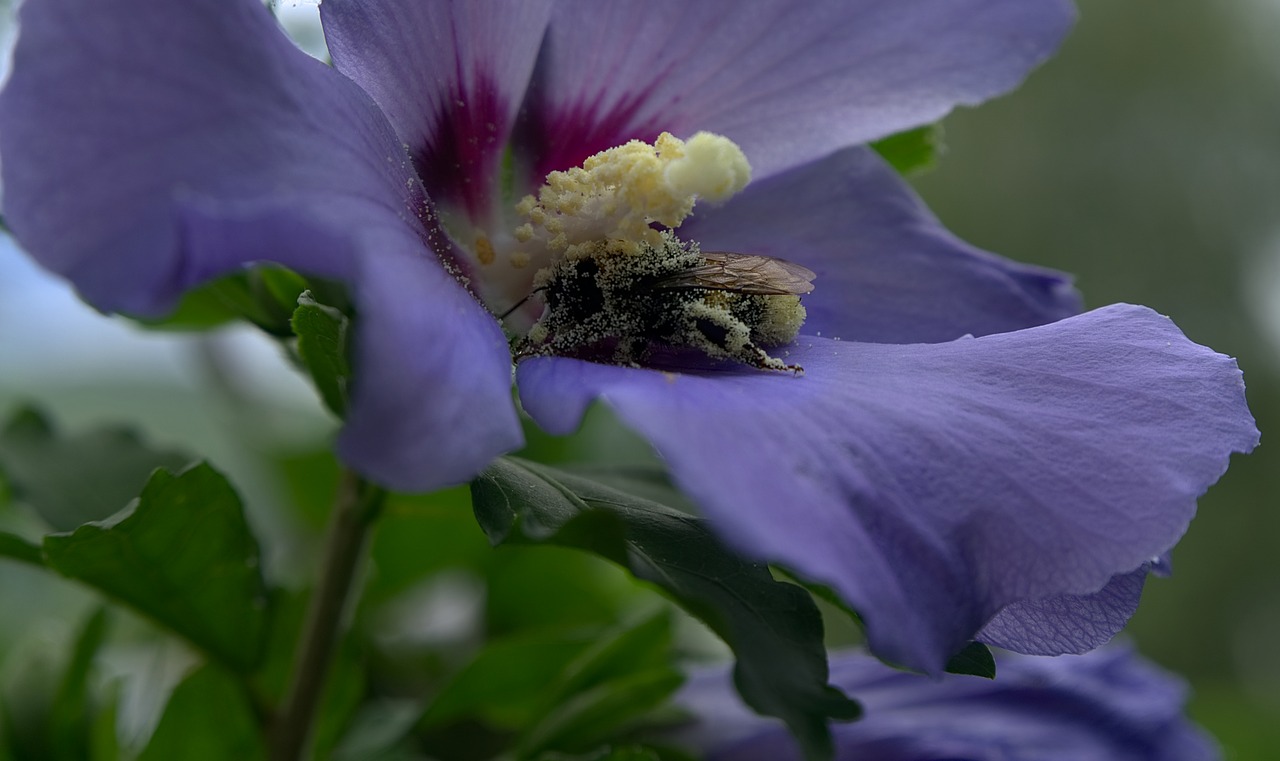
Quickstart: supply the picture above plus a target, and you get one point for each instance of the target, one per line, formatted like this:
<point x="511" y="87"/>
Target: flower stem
<point x="355" y="507"/>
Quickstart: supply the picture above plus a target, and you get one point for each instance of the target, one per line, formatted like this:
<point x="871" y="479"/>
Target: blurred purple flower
<point x="1109" y="705"/>
<point x="1020" y="481"/>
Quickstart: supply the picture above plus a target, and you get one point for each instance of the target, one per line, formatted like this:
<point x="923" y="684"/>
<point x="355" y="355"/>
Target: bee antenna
<point x="519" y="303"/>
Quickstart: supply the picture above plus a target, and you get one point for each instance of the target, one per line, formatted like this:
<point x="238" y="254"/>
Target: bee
<point x="671" y="303"/>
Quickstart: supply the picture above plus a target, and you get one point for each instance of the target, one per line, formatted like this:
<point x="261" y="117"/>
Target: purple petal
<point x="1067" y="623"/>
<point x="931" y="485"/>
<point x="432" y="402"/>
<point x="125" y="125"/>
<point x="888" y="272"/>
<point x="450" y="77"/>
<point x="789" y="83"/>
<point x="1106" y="706"/>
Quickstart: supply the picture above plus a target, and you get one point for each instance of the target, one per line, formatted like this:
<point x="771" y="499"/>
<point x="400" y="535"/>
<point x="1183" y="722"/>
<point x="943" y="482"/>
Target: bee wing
<point x="743" y="273"/>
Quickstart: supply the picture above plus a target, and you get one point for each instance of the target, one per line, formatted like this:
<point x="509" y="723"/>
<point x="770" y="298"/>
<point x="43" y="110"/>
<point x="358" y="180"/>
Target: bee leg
<point x="762" y="360"/>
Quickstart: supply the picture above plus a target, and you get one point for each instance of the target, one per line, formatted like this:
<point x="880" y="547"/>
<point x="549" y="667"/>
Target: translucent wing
<point x="743" y="273"/>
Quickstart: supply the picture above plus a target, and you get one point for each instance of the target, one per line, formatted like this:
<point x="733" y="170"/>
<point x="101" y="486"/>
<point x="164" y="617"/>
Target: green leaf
<point x="628" y="753"/>
<point x="343" y="689"/>
<point x="25" y="706"/>
<point x="773" y="627"/>
<point x="627" y="650"/>
<point x="418" y="535"/>
<point x="592" y="716"/>
<point x="208" y="718"/>
<point x="70" y="480"/>
<point x="17" y="548"/>
<point x="505" y="684"/>
<point x="183" y="556"/>
<point x="560" y="689"/>
<point x="648" y="480"/>
<point x="615" y="681"/>
<point x="209" y="306"/>
<point x="104" y="743"/>
<point x="265" y="295"/>
<point x="378" y="731"/>
<point x="913" y="151"/>
<point x="47" y="711"/>
<point x="311" y="478"/>
<point x="322" y="345"/>
<point x="547" y="586"/>
<point x="71" y="720"/>
<point x="829" y="596"/>
<point x="279" y="287"/>
<point x="974" y="660"/>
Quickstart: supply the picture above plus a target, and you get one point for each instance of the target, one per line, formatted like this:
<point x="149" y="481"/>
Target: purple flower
<point x="1016" y="485"/>
<point x="1109" y="705"/>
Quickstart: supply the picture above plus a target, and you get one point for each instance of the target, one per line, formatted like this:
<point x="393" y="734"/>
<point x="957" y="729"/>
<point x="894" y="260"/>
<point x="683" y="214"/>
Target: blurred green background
<point x="1145" y="158"/>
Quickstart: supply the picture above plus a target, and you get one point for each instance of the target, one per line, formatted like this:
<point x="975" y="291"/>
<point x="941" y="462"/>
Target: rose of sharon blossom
<point x="1109" y="705"/>
<point x="1014" y="486"/>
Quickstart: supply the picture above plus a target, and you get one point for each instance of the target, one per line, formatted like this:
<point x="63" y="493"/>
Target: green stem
<point x="355" y="508"/>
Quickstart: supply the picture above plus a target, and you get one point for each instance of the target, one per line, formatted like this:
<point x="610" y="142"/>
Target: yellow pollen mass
<point x="711" y="167"/>
<point x="618" y="194"/>
<point x="484" y="250"/>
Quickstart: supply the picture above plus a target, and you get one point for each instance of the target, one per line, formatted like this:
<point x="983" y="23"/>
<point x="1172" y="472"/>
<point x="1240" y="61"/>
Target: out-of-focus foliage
<point x="548" y="651"/>
<point x="913" y="151"/>
<point x="49" y="715"/>
<point x="182" y="555"/>
<point x="773" y="627"/>
<point x="70" y="480"/>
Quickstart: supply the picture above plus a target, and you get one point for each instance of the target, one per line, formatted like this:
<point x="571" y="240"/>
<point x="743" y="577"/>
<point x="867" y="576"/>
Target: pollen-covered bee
<point x="619" y="305"/>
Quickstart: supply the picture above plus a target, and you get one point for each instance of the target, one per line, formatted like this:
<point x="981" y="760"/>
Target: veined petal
<point x="1067" y="623"/>
<point x="789" y="83"/>
<point x="1106" y="706"/>
<point x="449" y="75"/>
<point x="888" y="271"/>
<point x="432" y="399"/>
<point x="122" y="118"/>
<point x="931" y="485"/>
